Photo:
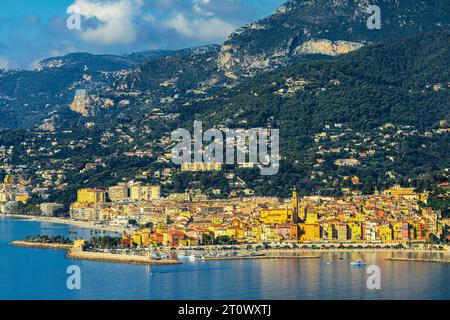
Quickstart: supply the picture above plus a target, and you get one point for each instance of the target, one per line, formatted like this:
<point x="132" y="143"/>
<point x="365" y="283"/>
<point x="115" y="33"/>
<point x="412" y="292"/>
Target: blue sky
<point x="31" y="30"/>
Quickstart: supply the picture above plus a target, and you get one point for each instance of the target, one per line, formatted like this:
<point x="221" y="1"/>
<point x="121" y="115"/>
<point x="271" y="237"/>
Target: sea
<point x="40" y="274"/>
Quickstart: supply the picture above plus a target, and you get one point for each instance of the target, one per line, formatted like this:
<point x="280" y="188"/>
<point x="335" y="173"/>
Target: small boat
<point x="164" y="256"/>
<point x="257" y="254"/>
<point x="188" y="258"/>
<point x="154" y="256"/>
<point x="359" y="262"/>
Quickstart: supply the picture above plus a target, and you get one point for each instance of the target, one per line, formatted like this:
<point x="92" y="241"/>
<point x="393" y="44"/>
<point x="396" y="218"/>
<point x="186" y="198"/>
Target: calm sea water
<point x="41" y="274"/>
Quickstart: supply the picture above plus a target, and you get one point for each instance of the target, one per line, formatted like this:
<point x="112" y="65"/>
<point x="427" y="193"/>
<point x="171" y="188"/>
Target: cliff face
<point x="327" y="47"/>
<point x="88" y="106"/>
<point x="82" y="104"/>
<point x="322" y="27"/>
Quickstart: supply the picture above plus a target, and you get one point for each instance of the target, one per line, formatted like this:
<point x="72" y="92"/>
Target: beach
<point x="75" y="223"/>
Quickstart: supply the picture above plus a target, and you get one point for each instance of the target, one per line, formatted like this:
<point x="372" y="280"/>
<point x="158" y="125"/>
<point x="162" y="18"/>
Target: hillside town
<point x="60" y="162"/>
<point x="393" y="216"/>
<point x="397" y="215"/>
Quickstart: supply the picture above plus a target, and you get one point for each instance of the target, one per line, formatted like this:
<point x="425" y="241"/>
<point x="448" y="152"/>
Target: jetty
<point x="75" y="253"/>
<point x="269" y="257"/>
<point x="40" y="245"/>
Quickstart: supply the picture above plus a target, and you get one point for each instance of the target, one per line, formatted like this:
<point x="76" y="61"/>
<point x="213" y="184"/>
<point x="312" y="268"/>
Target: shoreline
<point x="40" y="245"/>
<point x="121" y="230"/>
<point x="73" y="253"/>
<point x="70" y="222"/>
<point x="301" y="253"/>
<point x="314" y="254"/>
<point x="369" y="250"/>
<point x="76" y="254"/>
<point x="272" y="257"/>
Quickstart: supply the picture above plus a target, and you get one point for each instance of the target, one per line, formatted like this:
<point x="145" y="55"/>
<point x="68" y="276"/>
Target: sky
<point x="31" y="30"/>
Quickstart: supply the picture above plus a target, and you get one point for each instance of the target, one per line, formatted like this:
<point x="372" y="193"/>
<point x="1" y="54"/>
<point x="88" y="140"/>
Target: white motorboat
<point x="359" y="262"/>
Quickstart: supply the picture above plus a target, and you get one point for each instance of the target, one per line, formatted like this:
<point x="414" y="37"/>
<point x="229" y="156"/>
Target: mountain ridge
<point x="297" y="31"/>
<point x="271" y="42"/>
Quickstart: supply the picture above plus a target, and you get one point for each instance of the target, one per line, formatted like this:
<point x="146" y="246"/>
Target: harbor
<point x="170" y="256"/>
<point x="75" y="253"/>
<point x="72" y="222"/>
<point x="52" y="246"/>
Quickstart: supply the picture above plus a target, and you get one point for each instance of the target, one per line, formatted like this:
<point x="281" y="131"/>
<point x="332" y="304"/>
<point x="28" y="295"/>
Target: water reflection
<point x="40" y="274"/>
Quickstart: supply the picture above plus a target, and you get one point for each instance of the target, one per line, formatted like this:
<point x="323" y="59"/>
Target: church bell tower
<point x="295" y="209"/>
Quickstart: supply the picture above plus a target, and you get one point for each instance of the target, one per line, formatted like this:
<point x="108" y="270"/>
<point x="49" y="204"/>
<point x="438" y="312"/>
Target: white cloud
<point x="204" y="25"/>
<point x="4" y="62"/>
<point x="149" y="18"/>
<point x="200" y="23"/>
<point x="116" y="20"/>
<point x="199" y="7"/>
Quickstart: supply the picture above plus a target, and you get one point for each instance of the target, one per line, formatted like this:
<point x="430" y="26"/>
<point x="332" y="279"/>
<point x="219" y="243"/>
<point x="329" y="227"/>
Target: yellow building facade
<point x="276" y="216"/>
<point x="309" y="231"/>
<point x="91" y="196"/>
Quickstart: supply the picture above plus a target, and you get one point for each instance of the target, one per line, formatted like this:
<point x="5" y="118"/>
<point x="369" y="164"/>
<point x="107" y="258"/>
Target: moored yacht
<point x="359" y="262"/>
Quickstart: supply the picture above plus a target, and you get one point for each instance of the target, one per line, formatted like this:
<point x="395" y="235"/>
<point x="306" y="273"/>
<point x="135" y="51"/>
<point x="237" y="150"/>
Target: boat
<point x="257" y="254"/>
<point x="188" y="258"/>
<point x="164" y="256"/>
<point x="359" y="262"/>
<point x="154" y="256"/>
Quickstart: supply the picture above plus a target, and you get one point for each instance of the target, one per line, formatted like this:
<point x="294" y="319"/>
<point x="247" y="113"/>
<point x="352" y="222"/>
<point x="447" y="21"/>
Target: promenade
<point x="72" y="222"/>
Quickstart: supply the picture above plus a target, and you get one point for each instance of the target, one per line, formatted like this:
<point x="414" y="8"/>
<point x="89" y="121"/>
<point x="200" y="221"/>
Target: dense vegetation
<point x="277" y="36"/>
<point x="389" y="82"/>
<point x="58" y="239"/>
<point x="400" y="81"/>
